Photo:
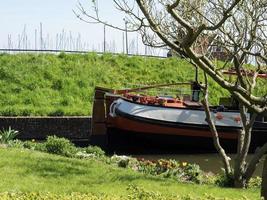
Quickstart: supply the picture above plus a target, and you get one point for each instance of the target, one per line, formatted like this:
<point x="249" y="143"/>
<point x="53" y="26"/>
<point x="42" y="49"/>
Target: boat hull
<point x="131" y="142"/>
<point x="128" y="132"/>
<point x="136" y="136"/>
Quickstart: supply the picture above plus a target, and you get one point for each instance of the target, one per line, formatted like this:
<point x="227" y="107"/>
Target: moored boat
<point x="129" y="120"/>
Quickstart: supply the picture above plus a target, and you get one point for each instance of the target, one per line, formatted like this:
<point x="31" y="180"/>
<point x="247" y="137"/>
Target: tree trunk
<point x="264" y="180"/>
<point x="239" y="169"/>
<point x="254" y="161"/>
<point x="215" y="136"/>
<point x="240" y="182"/>
<point x="244" y="140"/>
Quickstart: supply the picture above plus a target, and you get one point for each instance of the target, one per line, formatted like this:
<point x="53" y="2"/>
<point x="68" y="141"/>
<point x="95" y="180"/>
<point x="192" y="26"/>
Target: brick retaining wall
<point x="73" y="128"/>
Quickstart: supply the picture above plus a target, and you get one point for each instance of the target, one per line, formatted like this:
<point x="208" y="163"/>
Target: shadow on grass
<point x="89" y="172"/>
<point x="53" y="168"/>
<point x="130" y="177"/>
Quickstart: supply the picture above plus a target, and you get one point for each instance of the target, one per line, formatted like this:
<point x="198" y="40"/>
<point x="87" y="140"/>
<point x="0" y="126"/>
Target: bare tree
<point x="238" y="27"/>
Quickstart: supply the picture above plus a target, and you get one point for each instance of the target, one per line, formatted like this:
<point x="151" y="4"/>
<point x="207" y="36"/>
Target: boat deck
<point x="162" y="101"/>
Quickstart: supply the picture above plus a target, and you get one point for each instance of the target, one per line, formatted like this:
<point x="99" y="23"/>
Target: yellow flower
<point x="184" y="164"/>
<point x="33" y="140"/>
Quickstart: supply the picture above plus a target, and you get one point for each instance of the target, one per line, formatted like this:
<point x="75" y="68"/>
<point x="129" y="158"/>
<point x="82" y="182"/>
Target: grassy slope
<point x="43" y="84"/>
<point x="30" y="171"/>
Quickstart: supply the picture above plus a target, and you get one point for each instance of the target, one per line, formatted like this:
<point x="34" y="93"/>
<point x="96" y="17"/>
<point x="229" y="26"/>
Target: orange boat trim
<point x="142" y="127"/>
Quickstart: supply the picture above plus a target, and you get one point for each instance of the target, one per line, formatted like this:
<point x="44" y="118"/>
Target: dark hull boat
<point x="135" y="123"/>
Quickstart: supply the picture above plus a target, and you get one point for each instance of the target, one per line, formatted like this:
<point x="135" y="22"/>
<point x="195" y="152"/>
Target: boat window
<point x="265" y="119"/>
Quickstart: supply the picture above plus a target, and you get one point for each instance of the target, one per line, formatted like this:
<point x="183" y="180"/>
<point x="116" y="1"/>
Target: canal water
<point x="207" y="162"/>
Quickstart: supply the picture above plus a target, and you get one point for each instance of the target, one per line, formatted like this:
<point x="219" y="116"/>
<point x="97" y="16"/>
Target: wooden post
<point x="264" y="180"/>
<point x="98" y="123"/>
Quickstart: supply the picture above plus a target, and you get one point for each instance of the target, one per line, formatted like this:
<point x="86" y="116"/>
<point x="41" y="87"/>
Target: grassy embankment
<point x="28" y="171"/>
<point x="43" y="84"/>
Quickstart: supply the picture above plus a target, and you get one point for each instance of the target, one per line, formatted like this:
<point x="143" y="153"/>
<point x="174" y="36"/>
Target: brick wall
<point x="73" y="128"/>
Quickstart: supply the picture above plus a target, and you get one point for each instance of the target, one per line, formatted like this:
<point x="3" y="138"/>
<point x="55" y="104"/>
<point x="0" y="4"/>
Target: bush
<point x="136" y="192"/>
<point x="15" y="144"/>
<point x="60" y="146"/>
<point x="133" y="193"/>
<point x="34" y="145"/>
<point x="51" y="196"/>
<point x="225" y="181"/>
<point x="192" y="173"/>
<point x="29" y="145"/>
<point x="94" y="150"/>
<point x="122" y="161"/>
<point x="8" y="135"/>
<point x="183" y="172"/>
<point x="255" y="182"/>
<point x="208" y="178"/>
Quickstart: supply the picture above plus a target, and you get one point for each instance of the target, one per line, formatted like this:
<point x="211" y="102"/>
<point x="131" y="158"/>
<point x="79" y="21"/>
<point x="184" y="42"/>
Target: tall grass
<point x="47" y="84"/>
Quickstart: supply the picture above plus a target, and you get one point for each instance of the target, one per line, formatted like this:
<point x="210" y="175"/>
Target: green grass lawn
<point x="48" y="84"/>
<point x="24" y="170"/>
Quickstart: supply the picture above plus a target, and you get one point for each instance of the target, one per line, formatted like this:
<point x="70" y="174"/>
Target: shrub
<point x="8" y="135"/>
<point x="15" y="144"/>
<point x="60" y="146"/>
<point x="136" y="192"/>
<point x="183" y="172"/>
<point x="84" y="155"/>
<point x="29" y="145"/>
<point x="121" y="161"/>
<point x="192" y="173"/>
<point x="255" y="182"/>
<point x="225" y="181"/>
<point x="149" y="167"/>
<point x="51" y="196"/>
<point x="208" y="178"/>
<point x="34" y="145"/>
<point x="94" y="150"/>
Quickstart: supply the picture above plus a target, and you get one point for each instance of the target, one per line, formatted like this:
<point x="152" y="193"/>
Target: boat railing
<point x="143" y="88"/>
<point x="183" y="91"/>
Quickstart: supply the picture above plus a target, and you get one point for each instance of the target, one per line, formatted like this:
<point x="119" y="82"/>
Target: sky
<point x="20" y="25"/>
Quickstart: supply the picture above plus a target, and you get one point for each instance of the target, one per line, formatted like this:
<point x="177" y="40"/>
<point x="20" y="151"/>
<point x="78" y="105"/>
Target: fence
<point x="69" y="51"/>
